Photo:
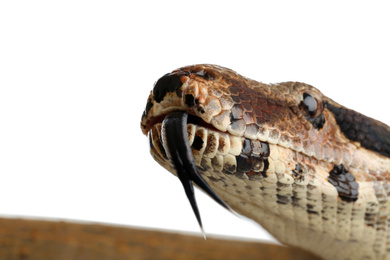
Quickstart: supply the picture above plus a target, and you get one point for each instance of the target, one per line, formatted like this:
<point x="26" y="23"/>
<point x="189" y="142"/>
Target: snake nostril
<point x="167" y="83"/>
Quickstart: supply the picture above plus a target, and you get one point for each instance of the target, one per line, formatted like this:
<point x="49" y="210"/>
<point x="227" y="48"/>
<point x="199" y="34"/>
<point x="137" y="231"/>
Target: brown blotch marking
<point x="253" y="165"/>
<point x="222" y="144"/>
<point x="189" y="100"/>
<point x="247" y="148"/>
<point x="168" y="83"/>
<point x="344" y="182"/>
<point x="283" y="199"/>
<point x="247" y="163"/>
<point x="149" y="105"/>
<point x="198" y="143"/>
<point x="265" y="151"/>
<point x="266" y="165"/>
<point x="211" y="143"/>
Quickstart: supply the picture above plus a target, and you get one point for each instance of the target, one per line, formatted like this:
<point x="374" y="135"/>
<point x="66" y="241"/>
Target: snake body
<point x="313" y="173"/>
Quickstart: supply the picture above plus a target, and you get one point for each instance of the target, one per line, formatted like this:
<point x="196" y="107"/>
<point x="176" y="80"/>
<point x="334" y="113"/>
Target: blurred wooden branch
<point x="35" y="239"/>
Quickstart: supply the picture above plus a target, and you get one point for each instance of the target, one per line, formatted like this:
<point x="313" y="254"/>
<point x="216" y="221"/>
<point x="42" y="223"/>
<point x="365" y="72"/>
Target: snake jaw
<point x="176" y="144"/>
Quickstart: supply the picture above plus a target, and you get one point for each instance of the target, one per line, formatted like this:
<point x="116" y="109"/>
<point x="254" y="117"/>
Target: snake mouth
<point x="198" y="153"/>
<point x="176" y="144"/>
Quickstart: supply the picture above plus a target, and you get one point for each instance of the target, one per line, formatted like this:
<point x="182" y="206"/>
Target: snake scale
<point x="313" y="173"/>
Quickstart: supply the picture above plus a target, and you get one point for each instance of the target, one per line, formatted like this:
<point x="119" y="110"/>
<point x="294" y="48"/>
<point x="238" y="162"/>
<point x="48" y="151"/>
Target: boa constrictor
<point x="313" y="173"/>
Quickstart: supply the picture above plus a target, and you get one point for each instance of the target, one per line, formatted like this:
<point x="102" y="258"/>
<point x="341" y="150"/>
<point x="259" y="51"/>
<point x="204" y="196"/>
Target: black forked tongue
<point x="177" y="147"/>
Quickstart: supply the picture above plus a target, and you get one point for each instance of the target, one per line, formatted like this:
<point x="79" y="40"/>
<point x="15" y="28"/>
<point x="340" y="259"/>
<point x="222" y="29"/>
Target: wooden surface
<point x="32" y="239"/>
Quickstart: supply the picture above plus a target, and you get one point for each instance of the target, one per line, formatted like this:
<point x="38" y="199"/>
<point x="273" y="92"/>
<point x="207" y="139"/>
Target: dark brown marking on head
<point x="265" y="151"/>
<point x="149" y="105"/>
<point x="247" y="147"/>
<point x="265" y="168"/>
<point x="198" y="143"/>
<point x="344" y="182"/>
<point x="370" y="133"/>
<point x="189" y="100"/>
<point x="243" y="163"/>
<point x="250" y="162"/>
<point x="168" y="83"/>
<point x="211" y="143"/>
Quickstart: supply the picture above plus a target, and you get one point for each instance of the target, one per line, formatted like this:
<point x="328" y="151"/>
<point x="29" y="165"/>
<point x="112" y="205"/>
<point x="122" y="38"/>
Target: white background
<point x="75" y="76"/>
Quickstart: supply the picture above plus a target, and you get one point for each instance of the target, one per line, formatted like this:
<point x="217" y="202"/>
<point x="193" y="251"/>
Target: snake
<point x="313" y="173"/>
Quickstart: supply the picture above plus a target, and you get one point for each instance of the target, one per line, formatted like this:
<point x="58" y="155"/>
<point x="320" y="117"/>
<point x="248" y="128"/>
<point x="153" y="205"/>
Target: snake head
<point x="282" y="154"/>
<point x="235" y="130"/>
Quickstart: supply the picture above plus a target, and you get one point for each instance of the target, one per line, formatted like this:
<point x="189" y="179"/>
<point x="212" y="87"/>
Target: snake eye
<point x="313" y="108"/>
<point x="312" y="105"/>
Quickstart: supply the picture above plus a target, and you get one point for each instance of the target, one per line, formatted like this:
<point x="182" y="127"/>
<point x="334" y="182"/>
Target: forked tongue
<point x="177" y="147"/>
